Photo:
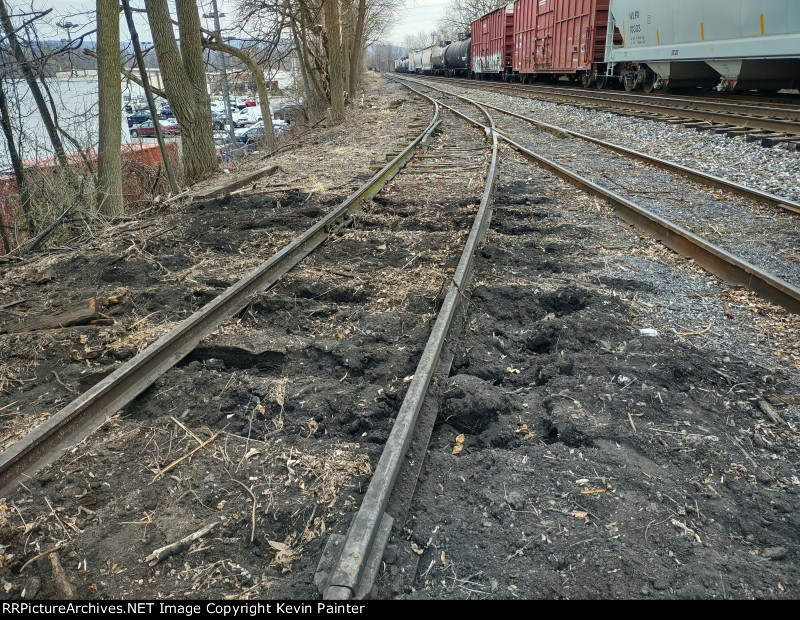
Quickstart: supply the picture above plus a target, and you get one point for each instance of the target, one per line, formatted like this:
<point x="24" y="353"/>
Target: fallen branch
<point x="697" y="333"/>
<point x="184" y="543"/>
<point x="58" y="547"/>
<point x="770" y="412"/>
<point x="784" y="399"/>
<point x="253" y="515"/>
<point x="38" y="239"/>
<point x="75" y="314"/>
<point x="60" y="580"/>
<point x="185" y="456"/>
<point x="179" y="423"/>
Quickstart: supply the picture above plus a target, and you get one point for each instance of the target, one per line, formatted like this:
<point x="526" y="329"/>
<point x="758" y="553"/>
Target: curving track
<point x="678" y="237"/>
<point x="781" y="120"/>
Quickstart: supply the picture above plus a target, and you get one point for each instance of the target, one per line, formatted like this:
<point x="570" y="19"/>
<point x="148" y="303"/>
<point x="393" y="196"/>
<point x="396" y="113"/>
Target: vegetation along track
<point x="307" y="381"/>
<point x="685" y="224"/>
<point x="769" y="123"/>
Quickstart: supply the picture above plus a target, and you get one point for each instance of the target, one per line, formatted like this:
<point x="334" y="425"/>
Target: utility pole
<point x="225" y="91"/>
<point x="137" y="48"/>
<point x="69" y="27"/>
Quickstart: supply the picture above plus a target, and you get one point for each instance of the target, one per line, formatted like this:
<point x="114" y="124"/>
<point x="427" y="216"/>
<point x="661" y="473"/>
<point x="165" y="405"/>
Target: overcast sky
<point x="417" y="16"/>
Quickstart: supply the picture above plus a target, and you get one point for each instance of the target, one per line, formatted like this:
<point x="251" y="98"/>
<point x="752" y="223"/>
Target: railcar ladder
<point x="612" y="26"/>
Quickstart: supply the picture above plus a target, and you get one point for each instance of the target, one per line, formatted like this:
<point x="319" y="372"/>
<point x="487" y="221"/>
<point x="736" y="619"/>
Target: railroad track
<point x="89" y="410"/>
<point x="350" y="564"/>
<point x="769" y="124"/>
<point x="75" y="422"/>
<point x="678" y="237"/>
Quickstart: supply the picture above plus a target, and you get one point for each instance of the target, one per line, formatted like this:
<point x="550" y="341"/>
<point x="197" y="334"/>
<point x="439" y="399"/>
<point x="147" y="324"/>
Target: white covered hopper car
<point x="736" y="44"/>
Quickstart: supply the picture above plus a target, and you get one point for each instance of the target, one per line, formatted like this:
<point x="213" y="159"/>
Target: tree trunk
<point x="348" y="33"/>
<point x="258" y="78"/>
<point x="333" y="30"/>
<point x="36" y="92"/>
<point x="357" y="56"/>
<point x="184" y="83"/>
<point x="151" y="104"/>
<point x="316" y="99"/>
<point x="16" y="163"/>
<point x="109" y="157"/>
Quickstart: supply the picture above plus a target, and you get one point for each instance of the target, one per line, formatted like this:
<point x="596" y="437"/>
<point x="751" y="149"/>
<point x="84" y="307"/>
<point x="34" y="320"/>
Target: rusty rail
<point x="82" y="416"/>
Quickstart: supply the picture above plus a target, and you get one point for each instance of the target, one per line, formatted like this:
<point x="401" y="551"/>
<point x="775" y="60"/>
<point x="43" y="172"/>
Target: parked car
<point x="148" y="129"/>
<point x="291" y="112"/>
<point x="247" y="116"/>
<point x="165" y="112"/>
<point x="137" y="118"/>
<point x="252" y="134"/>
<point x="219" y="120"/>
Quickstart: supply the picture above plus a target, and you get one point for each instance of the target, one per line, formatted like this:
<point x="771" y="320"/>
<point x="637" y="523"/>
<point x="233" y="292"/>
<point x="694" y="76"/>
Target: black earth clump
<point x="471" y="404"/>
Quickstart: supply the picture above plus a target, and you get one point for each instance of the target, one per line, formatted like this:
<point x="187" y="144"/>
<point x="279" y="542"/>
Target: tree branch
<point x="130" y="75"/>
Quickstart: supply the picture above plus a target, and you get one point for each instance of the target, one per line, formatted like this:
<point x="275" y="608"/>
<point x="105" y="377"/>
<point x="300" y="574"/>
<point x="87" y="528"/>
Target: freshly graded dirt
<point x="597" y="461"/>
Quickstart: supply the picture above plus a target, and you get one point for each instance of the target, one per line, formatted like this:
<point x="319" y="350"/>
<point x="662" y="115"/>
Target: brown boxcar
<point x="559" y="37"/>
<point x="493" y="42"/>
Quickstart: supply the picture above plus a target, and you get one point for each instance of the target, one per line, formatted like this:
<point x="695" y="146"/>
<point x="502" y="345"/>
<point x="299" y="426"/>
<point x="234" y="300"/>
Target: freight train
<point x="731" y="45"/>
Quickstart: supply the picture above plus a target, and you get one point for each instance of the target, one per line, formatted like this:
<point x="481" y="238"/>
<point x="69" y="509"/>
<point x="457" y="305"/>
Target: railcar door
<point x="545" y="24"/>
<point x="485" y="44"/>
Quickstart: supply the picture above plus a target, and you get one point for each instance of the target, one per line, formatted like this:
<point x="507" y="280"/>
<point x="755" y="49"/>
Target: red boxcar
<point x="559" y="37"/>
<point x="493" y="42"/>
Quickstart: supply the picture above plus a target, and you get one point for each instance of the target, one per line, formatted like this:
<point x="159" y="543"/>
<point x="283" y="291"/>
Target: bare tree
<point x="419" y="40"/>
<point x="25" y="66"/>
<point x="461" y="13"/>
<point x="109" y="158"/>
<point x="185" y="83"/>
<point x="336" y="59"/>
<point x="325" y="40"/>
<point x="16" y="163"/>
<point x="257" y="75"/>
<point x="382" y="56"/>
<point x="356" y="29"/>
<point x="148" y="91"/>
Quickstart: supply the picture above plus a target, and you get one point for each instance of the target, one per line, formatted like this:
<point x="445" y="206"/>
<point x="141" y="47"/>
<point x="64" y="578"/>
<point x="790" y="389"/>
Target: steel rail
<point x="572" y="97"/>
<point x="708" y="255"/>
<point x="789" y="112"/>
<point x="701" y="177"/>
<point x="88" y="411"/>
<point x="346" y="579"/>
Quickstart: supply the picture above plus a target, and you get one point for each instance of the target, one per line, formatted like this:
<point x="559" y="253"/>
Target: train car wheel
<point x="629" y="82"/>
<point x="601" y="82"/>
<point x="649" y="84"/>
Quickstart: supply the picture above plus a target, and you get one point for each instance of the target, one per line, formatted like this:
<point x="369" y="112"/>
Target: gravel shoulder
<point x="774" y="170"/>
<point x="579" y="457"/>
